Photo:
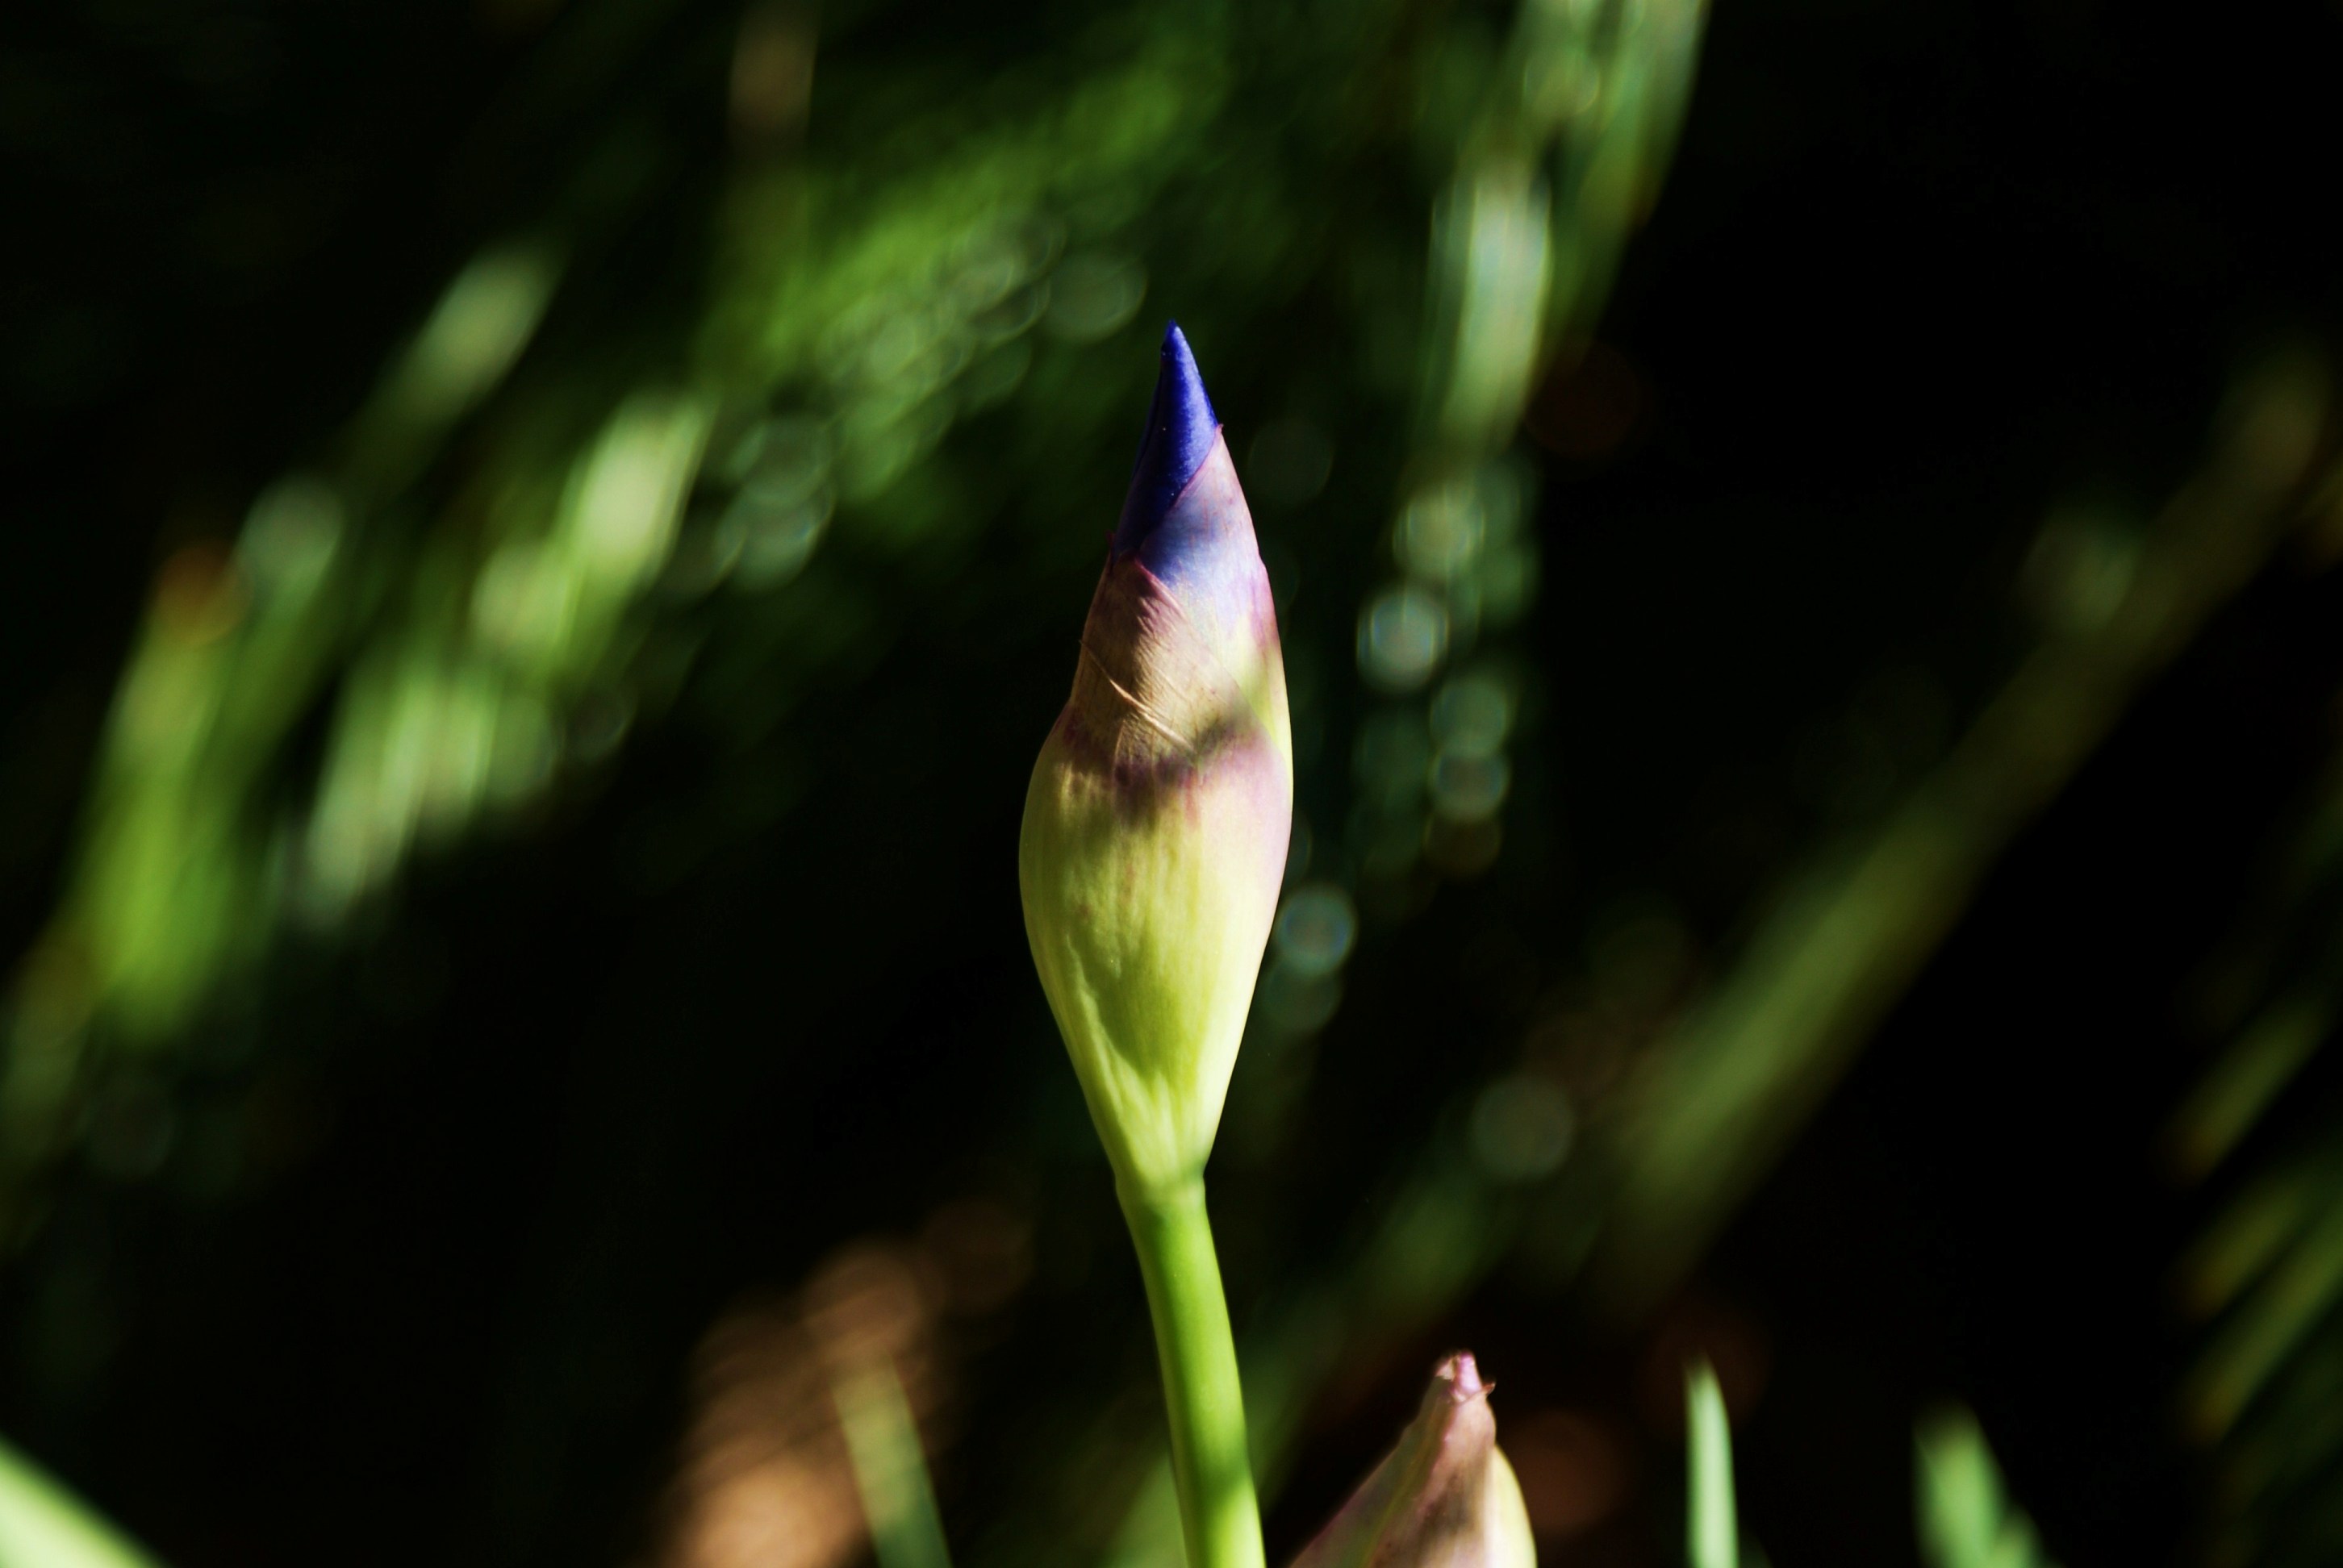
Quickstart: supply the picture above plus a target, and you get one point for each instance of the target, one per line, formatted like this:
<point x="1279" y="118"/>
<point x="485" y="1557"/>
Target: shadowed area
<point x="1802" y="541"/>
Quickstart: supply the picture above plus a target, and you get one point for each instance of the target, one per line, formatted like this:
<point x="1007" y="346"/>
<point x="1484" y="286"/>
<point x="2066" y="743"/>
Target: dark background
<point x="1919" y="269"/>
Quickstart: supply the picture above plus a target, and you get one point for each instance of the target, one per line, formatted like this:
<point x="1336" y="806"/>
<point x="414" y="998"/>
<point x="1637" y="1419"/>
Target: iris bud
<point x="1443" y="1498"/>
<point x="1155" y="826"/>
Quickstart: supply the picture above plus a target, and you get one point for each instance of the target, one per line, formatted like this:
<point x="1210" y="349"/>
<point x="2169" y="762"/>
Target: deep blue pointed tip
<point x="1188" y="417"/>
<point x="1180" y="428"/>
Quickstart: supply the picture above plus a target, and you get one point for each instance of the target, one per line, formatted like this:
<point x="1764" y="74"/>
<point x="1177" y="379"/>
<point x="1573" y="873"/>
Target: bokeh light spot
<point x="1441" y="532"/>
<point x="1471" y="714"/>
<point x="1522" y="1127"/>
<point x="1468" y="787"/>
<point x="1316" y="928"/>
<point x="1403" y="637"/>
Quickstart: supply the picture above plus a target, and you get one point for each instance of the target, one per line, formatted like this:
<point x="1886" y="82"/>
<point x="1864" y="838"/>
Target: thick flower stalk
<point x="1153" y="846"/>
<point x="1443" y="1497"/>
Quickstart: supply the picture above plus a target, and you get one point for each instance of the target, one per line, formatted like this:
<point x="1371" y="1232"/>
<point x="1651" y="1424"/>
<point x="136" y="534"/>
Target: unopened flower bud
<point x="1155" y="826"/>
<point x="1444" y="1498"/>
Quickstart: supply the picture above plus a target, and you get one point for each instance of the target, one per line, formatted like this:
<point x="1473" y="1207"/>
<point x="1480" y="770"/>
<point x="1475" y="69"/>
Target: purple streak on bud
<point x="1180" y="427"/>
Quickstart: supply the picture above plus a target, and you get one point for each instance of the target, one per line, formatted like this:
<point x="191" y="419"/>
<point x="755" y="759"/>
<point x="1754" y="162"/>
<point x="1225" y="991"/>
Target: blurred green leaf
<point x="890" y="1468"/>
<point x="42" y="1525"/>
<point x="1966" y="1517"/>
<point x="1711" y="1524"/>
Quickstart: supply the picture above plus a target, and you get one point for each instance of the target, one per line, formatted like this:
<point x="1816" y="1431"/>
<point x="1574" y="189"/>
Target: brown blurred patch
<point x="1696" y="1328"/>
<point x="198" y="594"/>
<point x="773" y="73"/>
<point x="980" y="1252"/>
<point x="1582" y="1041"/>
<point x="1462" y="849"/>
<point x="765" y="1478"/>
<point x="1574" y="1470"/>
<point x="1588" y="409"/>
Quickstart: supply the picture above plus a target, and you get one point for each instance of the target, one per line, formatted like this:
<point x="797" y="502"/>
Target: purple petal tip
<point x="1181" y="427"/>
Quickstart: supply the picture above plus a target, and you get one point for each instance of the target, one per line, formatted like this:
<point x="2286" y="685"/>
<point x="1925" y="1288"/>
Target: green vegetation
<point x="1803" y="541"/>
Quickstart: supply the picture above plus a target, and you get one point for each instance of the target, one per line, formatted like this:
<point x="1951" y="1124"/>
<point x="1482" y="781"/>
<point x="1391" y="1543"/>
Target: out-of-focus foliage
<point x="806" y="1444"/>
<point x="760" y="431"/>
<point x="466" y="624"/>
<point x="2265" y="1275"/>
<point x="1717" y="1100"/>
<point x="525" y="542"/>
<point x="1966" y="1517"/>
<point x="1711" y="1524"/>
<point x="42" y="1525"/>
<point x="1848" y="935"/>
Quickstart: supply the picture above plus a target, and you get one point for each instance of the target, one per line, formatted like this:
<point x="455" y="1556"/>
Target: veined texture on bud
<point x="1443" y="1498"/>
<point x="1155" y="826"/>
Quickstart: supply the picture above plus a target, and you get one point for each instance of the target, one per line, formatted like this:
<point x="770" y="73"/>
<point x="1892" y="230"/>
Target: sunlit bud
<point x="1155" y="826"/>
<point x="1444" y="1498"/>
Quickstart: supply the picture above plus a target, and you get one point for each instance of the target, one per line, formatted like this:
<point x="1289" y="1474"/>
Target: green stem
<point x="1201" y="1398"/>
